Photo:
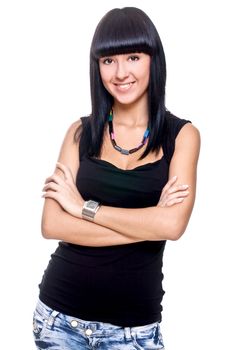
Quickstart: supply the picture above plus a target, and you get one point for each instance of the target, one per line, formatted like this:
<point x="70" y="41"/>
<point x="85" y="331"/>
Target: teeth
<point x="124" y="86"/>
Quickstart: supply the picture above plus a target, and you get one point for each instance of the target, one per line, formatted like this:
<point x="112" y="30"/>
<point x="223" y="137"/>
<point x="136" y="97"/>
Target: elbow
<point x="47" y="228"/>
<point x="51" y="220"/>
<point x="171" y="229"/>
<point x="45" y="231"/>
<point x="177" y="230"/>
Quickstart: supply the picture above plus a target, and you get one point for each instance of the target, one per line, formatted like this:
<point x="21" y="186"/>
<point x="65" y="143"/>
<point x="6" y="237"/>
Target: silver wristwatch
<point x="89" y="209"/>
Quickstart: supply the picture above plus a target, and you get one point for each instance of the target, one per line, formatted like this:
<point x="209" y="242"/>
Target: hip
<point x="55" y="330"/>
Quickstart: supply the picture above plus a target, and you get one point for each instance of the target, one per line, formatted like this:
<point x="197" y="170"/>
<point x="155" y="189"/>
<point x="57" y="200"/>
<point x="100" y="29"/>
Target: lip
<point x="124" y="86"/>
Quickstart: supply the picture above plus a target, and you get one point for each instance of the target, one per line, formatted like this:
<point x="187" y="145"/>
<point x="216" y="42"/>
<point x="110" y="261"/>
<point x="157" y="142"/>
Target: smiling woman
<point x="124" y="184"/>
<point x="126" y="76"/>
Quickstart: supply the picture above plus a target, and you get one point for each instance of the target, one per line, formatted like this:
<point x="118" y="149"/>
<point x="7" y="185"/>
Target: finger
<point x="161" y="204"/>
<point x="170" y="183"/>
<point x="174" y="201"/>
<point x="55" y="178"/>
<point x="178" y="188"/>
<point x="50" y="194"/>
<point x="178" y="194"/>
<point x="66" y="170"/>
<point x="51" y="186"/>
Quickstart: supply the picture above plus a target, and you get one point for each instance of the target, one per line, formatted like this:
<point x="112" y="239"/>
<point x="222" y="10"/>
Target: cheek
<point x="104" y="74"/>
<point x="144" y="70"/>
<point x="106" y="79"/>
<point x="145" y="77"/>
<point x="106" y="86"/>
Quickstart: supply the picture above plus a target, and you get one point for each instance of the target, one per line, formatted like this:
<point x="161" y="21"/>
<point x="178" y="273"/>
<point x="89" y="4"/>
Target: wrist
<point x="89" y="209"/>
<point x="80" y="208"/>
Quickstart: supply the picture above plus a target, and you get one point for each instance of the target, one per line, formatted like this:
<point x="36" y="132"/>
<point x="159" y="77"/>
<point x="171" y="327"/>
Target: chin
<point x="127" y="103"/>
<point x="125" y="100"/>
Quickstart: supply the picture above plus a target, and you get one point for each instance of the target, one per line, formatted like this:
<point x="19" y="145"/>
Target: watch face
<point x="92" y="204"/>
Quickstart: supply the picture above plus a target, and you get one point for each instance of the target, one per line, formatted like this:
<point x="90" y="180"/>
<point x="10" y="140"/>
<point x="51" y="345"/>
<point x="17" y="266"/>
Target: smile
<point x="125" y="86"/>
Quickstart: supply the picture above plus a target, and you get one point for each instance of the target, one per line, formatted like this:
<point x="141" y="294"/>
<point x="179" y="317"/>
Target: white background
<point x="44" y="87"/>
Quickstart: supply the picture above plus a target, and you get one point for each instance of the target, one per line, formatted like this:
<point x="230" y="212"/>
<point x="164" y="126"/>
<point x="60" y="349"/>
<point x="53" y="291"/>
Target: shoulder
<point x="189" y="131"/>
<point x="79" y="135"/>
<point x="74" y="131"/>
<point x="188" y="142"/>
<point x="180" y="134"/>
<point x="81" y="122"/>
<point x="73" y="127"/>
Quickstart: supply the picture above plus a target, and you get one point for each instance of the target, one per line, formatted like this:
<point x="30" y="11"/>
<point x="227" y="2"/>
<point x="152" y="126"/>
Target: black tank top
<point x="120" y="284"/>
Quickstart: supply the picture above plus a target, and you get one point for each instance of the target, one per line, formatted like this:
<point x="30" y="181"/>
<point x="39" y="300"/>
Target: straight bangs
<point x="120" y="32"/>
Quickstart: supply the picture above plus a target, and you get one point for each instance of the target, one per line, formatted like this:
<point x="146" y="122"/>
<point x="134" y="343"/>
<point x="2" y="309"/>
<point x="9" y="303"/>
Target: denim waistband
<point x="95" y="326"/>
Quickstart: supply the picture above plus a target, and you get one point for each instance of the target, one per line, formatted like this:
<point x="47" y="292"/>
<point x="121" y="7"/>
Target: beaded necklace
<point x="118" y="148"/>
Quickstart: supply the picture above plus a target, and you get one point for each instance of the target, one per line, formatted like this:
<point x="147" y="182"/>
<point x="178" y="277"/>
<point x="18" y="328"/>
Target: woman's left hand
<point x="64" y="191"/>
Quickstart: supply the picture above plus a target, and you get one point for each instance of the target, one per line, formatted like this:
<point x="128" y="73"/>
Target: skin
<point x="61" y="217"/>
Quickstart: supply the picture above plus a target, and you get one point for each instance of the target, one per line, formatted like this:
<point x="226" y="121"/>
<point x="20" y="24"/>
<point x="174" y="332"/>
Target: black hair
<point x="121" y="31"/>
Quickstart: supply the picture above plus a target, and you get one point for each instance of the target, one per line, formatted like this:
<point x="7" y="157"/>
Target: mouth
<point x="124" y="86"/>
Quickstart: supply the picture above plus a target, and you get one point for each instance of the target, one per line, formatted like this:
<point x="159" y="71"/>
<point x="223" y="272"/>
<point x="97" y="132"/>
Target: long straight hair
<point x="121" y="31"/>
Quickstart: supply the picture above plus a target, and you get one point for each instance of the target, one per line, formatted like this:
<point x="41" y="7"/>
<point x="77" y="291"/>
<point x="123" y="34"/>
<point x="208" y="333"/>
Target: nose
<point x="121" y="71"/>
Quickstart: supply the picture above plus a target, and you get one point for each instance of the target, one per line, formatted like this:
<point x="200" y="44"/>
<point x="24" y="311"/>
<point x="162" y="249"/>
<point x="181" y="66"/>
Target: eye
<point x="133" y="58"/>
<point x="107" y="61"/>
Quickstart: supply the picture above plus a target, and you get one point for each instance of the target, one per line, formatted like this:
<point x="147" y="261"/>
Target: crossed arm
<point x="62" y="220"/>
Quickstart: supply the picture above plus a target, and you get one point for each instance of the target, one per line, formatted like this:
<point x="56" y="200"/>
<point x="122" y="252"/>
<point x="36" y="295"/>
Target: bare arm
<point x="58" y="224"/>
<point x="159" y="223"/>
<point x="70" y="229"/>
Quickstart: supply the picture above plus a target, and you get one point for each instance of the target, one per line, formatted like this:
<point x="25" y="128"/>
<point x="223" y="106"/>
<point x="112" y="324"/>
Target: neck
<point x="131" y="116"/>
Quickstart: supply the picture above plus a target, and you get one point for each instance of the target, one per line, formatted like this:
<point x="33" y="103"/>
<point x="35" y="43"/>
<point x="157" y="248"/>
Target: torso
<point x="126" y="139"/>
<point x="83" y="281"/>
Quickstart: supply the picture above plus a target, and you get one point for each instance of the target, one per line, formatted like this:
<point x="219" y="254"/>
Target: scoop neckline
<point x="105" y="162"/>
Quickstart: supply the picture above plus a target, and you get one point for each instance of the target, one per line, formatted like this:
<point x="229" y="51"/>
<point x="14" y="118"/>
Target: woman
<point x="124" y="184"/>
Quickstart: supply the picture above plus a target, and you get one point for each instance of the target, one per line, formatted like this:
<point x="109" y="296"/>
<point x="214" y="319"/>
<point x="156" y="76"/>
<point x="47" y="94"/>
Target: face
<point x="126" y="76"/>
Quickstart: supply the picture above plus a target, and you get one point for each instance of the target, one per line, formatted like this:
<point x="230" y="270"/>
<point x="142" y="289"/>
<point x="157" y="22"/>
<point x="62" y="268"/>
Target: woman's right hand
<point x="172" y="193"/>
<point x="64" y="191"/>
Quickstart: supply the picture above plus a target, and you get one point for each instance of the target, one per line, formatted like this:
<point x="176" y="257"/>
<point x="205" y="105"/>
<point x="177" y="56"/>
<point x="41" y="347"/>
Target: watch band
<point x="89" y="209"/>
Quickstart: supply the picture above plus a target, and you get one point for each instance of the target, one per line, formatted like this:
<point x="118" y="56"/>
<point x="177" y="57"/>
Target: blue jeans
<point x="54" y="330"/>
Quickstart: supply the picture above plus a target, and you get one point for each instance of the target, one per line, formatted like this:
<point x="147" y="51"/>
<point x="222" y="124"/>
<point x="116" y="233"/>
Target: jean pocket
<point x="148" y="339"/>
<point x="39" y="325"/>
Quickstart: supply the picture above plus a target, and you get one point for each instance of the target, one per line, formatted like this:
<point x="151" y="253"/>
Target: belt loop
<point x="127" y="333"/>
<point x="52" y="318"/>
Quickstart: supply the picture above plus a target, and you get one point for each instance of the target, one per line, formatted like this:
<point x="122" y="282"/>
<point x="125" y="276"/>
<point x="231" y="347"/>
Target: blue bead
<point x="146" y="133"/>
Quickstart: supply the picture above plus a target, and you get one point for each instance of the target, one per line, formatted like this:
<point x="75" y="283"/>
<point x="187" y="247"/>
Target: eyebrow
<point x="124" y="54"/>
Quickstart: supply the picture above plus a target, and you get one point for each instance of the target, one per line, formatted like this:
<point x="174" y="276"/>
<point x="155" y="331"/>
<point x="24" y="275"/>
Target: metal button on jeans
<point x="35" y="329"/>
<point x="88" y="331"/>
<point x="74" y="323"/>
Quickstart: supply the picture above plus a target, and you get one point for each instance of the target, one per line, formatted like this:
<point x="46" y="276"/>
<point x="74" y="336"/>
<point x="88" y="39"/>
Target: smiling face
<point x="126" y="76"/>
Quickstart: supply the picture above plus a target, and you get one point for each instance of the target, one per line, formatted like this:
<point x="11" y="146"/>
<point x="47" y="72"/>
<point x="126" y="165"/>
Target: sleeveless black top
<point x="120" y="284"/>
